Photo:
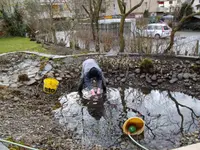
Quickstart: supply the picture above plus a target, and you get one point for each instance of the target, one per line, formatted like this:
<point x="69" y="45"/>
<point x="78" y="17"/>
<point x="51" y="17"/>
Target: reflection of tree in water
<point x="178" y="105"/>
<point x="162" y="122"/>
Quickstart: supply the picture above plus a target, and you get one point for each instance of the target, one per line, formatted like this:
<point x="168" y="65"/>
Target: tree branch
<point x="188" y="6"/>
<point x="178" y="109"/>
<point x="86" y="10"/>
<point x="135" y="7"/>
<point x="120" y="6"/>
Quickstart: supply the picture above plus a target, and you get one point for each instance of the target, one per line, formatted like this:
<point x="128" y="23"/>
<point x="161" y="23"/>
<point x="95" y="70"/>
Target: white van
<point x="157" y="30"/>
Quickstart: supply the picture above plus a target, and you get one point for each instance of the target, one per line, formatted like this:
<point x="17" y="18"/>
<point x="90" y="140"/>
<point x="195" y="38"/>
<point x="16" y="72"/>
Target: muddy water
<point x="99" y="121"/>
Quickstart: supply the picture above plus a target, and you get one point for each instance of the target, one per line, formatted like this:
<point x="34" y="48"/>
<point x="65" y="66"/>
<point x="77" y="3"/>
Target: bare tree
<point x="93" y="11"/>
<point x="124" y="14"/>
<point x="184" y="18"/>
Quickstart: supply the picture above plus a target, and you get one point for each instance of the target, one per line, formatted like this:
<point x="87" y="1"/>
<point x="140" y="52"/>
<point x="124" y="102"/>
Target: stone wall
<point x="169" y="73"/>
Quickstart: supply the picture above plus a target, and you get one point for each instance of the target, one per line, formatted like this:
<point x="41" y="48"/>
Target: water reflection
<point x="167" y="115"/>
<point x="99" y="121"/>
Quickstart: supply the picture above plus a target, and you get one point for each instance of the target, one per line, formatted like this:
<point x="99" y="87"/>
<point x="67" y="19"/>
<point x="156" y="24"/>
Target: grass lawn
<point x="11" y="44"/>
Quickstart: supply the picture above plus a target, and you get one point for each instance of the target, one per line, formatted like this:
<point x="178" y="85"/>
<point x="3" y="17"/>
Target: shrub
<point x="146" y="65"/>
<point x="14" y="22"/>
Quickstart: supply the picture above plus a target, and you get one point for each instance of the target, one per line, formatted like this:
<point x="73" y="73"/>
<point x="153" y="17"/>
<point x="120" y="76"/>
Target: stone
<point x="154" y="83"/>
<point x="68" y="76"/>
<point x="59" y="78"/>
<point x="137" y="71"/>
<point x="198" y="62"/>
<point x="186" y="75"/>
<point x="148" y="80"/>
<point x="14" y="85"/>
<point x="187" y="62"/>
<point x="194" y="79"/>
<point x="180" y="76"/>
<point x="159" y="80"/>
<point x="57" y="74"/>
<point x="31" y="82"/>
<point x="174" y="75"/>
<point x="154" y="77"/>
<point x="142" y="76"/>
<point x="3" y="147"/>
<point x="173" y="80"/>
<point x="187" y="84"/>
<point x="38" y="77"/>
<point x="132" y="75"/>
<point x="118" y="78"/>
<point x="16" y="99"/>
<point x="122" y="75"/>
<point x="76" y="70"/>
<point x="123" y="80"/>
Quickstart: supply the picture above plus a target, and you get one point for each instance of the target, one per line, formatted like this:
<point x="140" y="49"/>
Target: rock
<point x="3" y="147"/>
<point x="194" y="79"/>
<point x="130" y="84"/>
<point x="68" y="76"/>
<point x="187" y="62"/>
<point x="14" y="85"/>
<point x="154" y="77"/>
<point x="142" y="76"/>
<point x="132" y="75"/>
<point x="77" y="70"/>
<point x="118" y="78"/>
<point x="154" y="83"/>
<point x="31" y="82"/>
<point x="16" y="99"/>
<point x="148" y="80"/>
<point x="174" y="75"/>
<point x="180" y="76"/>
<point x="187" y="84"/>
<point x="160" y="81"/>
<point x="137" y="71"/>
<point x="59" y="78"/>
<point x="123" y="145"/>
<point x="198" y="62"/>
<point x="32" y="72"/>
<point x="57" y="74"/>
<point x="122" y="75"/>
<point x="123" y="80"/>
<point x="173" y="80"/>
<point x="186" y="75"/>
<point x="38" y="77"/>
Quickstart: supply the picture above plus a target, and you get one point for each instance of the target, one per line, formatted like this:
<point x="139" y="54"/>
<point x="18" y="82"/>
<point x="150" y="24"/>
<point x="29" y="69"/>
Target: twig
<point x="178" y="109"/>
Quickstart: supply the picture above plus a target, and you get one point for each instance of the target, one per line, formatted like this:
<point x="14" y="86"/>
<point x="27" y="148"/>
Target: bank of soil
<point x="26" y="112"/>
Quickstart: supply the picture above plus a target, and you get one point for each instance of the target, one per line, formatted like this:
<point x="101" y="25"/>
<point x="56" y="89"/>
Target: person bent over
<point x="90" y="71"/>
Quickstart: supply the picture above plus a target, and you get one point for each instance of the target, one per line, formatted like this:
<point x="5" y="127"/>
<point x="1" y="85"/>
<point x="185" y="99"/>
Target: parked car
<point x="156" y="30"/>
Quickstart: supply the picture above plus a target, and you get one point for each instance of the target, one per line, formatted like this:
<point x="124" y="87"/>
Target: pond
<point x="167" y="115"/>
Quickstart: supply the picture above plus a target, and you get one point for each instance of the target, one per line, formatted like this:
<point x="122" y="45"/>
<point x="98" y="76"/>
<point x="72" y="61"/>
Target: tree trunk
<point x="54" y="36"/>
<point x="97" y="43"/>
<point x="121" y="36"/>
<point x="93" y="31"/>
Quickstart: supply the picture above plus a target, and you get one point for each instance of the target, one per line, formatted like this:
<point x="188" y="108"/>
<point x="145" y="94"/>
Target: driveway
<point x="187" y="33"/>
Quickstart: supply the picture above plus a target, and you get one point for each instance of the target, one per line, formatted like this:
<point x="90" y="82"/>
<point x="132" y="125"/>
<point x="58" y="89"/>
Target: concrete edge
<point x="190" y="147"/>
<point x="107" y="55"/>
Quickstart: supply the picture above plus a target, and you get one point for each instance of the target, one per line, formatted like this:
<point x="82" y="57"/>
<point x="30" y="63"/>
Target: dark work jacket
<point x="86" y="66"/>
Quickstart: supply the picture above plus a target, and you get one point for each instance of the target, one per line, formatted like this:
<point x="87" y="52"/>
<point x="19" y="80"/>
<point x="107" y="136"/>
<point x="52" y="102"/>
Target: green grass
<point x="11" y="44"/>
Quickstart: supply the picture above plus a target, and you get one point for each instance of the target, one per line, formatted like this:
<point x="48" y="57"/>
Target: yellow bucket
<point x="50" y="85"/>
<point x="135" y="121"/>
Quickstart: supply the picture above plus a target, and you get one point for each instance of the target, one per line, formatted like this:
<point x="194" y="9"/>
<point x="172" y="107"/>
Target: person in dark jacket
<point x="91" y="70"/>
